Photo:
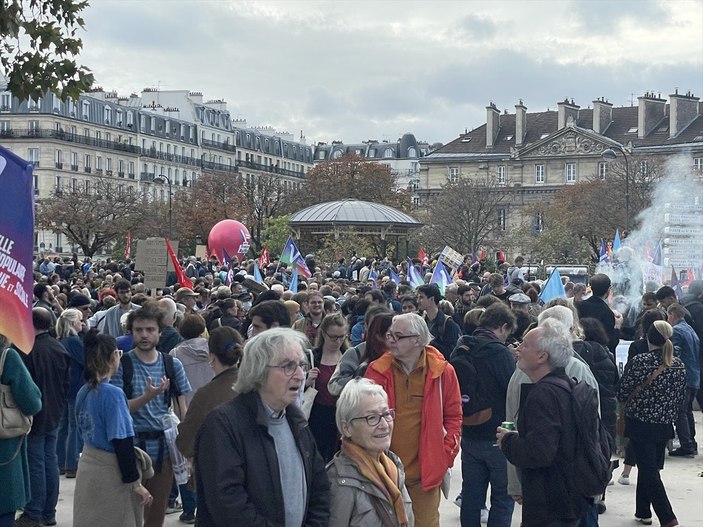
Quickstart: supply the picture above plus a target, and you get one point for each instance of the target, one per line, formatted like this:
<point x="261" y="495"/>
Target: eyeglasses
<point x="290" y="367"/>
<point x="373" y="420"/>
<point x="395" y="336"/>
<point x="336" y="338"/>
<point x="119" y="353"/>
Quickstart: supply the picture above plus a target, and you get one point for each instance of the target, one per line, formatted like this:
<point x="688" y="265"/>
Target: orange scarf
<point x="382" y="472"/>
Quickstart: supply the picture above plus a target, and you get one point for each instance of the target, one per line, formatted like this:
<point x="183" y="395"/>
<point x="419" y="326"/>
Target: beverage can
<point x="508" y="425"/>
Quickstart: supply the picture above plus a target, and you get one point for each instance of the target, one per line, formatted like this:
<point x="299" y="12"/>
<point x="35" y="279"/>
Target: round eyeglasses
<point x="290" y="367"/>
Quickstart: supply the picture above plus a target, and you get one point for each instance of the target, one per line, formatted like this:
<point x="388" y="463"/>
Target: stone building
<point x="533" y="155"/>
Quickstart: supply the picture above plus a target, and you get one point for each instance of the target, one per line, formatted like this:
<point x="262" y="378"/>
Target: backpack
<point x="128" y="374"/>
<point x="594" y="444"/>
<point x="438" y="340"/>
<point x="475" y="401"/>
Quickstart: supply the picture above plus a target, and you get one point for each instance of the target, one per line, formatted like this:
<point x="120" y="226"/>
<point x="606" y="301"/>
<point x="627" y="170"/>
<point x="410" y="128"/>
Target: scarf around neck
<point x="382" y="473"/>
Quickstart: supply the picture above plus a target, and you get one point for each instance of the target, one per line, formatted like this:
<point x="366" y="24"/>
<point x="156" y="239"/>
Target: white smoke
<point x="676" y="219"/>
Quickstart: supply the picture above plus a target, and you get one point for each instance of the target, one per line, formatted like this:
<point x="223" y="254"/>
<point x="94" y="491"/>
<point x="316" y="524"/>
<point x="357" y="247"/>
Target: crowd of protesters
<point x="276" y="372"/>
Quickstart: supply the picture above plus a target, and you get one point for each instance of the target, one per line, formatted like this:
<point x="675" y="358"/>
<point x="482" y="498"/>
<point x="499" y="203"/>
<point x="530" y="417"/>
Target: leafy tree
<point x="95" y="220"/>
<point x="466" y="214"/>
<point x="39" y="46"/>
<point x="350" y="176"/>
<point x="331" y="249"/>
<point x="275" y="234"/>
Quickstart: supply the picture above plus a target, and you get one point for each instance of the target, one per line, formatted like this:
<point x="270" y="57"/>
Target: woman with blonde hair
<point x="652" y="387"/>
<point x="69" y="445"/>
<point x="331" y="343"/>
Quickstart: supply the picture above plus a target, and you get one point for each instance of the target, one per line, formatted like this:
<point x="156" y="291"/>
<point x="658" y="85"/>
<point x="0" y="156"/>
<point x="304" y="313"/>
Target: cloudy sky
<point x="363" y="69"/>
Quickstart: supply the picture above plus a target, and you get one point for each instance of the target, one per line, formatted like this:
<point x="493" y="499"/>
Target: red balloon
<point x="229" y="239"/>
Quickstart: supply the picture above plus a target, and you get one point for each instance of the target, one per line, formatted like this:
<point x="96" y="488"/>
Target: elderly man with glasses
<point x="423" y="388"/>
<point x="255" y="457"/>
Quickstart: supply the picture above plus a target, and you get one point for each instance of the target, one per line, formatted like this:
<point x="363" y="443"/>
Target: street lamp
<point x="165" y="179"/>
<point x="610" y="155"/>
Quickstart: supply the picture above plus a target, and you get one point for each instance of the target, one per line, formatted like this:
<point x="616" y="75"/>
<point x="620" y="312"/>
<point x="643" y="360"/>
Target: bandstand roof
<point x="362" y="216"/>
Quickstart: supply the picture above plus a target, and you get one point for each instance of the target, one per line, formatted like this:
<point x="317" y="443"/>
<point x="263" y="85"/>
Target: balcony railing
<point x="227" y="147"/>
<point x="71" y="138"/>
<point x="183" y="160"/>
<point x="59" y="164"/>
<point x="272" y="169"/>
<point x="218" y="167"/>
<point x="146" y="176"/>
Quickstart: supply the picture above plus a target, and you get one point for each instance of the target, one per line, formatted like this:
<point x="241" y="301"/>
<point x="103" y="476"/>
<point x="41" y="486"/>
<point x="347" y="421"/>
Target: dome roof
<point x="352" y="212"/>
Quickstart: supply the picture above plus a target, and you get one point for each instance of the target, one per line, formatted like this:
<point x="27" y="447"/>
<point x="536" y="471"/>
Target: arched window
<point x="412" y="152"/>
<point x="388" y="153"/>
<point x="337" y="154"/>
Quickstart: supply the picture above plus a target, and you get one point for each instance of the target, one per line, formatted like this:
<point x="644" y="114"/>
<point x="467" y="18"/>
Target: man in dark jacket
<point x="445" y="332"/>
<point x="693" y="302"/>
<point x="483" y="367"/>
<point x="545" y="446"/>
<point x="48" y="365"/>
<point x="256" y="460"/>
<point x="597" y="307"/>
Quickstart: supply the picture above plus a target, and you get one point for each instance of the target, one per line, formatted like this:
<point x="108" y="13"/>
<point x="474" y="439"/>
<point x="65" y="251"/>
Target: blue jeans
<point x="481" y="464"/>
<point x="43" y="474"/>
<point x="69" y="443"/>
<point x="590" y="517"/>
<point x="7" y="519"/>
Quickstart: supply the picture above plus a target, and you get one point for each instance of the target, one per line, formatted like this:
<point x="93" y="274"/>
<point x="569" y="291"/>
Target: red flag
<point x="422" y="255"/>
<point x="181" y="276"/>
<point x="128" y="248"/>
<point x="265" y="258"/>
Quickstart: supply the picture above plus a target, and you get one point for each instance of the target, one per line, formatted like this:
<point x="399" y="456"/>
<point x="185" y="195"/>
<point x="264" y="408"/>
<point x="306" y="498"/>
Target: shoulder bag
<point x="310" y="393"/>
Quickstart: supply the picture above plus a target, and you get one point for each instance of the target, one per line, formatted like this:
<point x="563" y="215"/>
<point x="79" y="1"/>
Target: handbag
<point x="309" y="394"/>
<point x="13" y="423"/>
<point x="446" y="484"/>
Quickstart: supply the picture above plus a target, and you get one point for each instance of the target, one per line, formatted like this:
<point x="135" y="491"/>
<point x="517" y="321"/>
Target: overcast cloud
<point x="377" y="69"/>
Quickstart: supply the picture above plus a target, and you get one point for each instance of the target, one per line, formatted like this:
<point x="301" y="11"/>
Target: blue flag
<point x="374" y="276"/>
<point x="604" y="258"/>
<point x="257" y="275"/>
<point x="16" y="244"/>
<point x="553" y="288"/>
<point x="441" y="277"/>
<point x="293" y="286"/>
<point x="616" y="241"/>
<point x="675" y="285"/>
<point x="291" y="256"/>
<point x="226" y="258"/>
<point x="657" y="256"/>
<point x="414" y="276"/>
<point x="394" y="276"/>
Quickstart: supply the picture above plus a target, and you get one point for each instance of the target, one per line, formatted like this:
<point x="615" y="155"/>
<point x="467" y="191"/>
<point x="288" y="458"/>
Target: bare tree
<point x="469" y="213"/>
<point x="96" y="219"/>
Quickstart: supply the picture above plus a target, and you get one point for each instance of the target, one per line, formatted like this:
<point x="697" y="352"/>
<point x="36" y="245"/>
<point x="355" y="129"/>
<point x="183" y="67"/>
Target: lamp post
<point x="610" y="155"/>
<point x="165" y="179"/>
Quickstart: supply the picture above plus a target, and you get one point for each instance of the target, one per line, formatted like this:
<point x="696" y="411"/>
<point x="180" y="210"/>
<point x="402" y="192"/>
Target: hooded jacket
<point x="195" y="356"/>
<point x="440" y="430"/>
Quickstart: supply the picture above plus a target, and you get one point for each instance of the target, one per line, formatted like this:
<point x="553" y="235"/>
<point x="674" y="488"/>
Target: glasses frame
<point x="397" y="338"/>
<point x="336" y="338"/>
<point x="304" y="365"/>
<point x="375" y="419"/>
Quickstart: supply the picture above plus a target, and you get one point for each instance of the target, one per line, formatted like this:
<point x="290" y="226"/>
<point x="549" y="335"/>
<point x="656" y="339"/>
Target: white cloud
<point x="358" y="70"/>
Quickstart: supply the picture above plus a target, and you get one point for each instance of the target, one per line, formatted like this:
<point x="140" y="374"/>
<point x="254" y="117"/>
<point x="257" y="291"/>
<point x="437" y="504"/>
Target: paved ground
<point x="681" y="478"/>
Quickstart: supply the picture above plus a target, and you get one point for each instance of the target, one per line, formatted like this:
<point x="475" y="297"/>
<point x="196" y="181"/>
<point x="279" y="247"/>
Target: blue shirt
<point x="687" y="347"/>
<point x="102" y="415"/>
<point x="149" y="418"/>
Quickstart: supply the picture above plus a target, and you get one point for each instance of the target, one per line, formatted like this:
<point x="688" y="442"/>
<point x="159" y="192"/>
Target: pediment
<point x="567" y="142"/>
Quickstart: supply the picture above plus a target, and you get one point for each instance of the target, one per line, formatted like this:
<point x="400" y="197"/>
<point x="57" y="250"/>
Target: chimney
<point x="567" y="109"/>
<point x="520" y="123"/>
<point x="683" y="109"/>
<point x="651" y="111"/>
<point x="602" y="115"/>
<point x="492" y="124"/>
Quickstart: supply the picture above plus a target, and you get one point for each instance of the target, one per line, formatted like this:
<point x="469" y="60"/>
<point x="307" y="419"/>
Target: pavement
<point x="681" y="476"/>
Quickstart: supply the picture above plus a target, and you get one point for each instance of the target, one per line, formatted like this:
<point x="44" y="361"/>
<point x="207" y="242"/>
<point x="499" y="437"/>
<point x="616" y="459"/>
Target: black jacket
<point x="495" y="364"/>
<point x="237" y="468"/>
<point x="544" y="451"/>
<point x="48" y="365"/>
<point x="604" y="369"/>
<point x="598" y="308"/>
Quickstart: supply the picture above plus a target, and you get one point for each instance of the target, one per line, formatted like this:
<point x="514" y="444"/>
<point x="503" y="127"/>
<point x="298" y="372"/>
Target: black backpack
<point x="594" y="444"/>
<point x="128" y="374"/>
<point x="475" y="399"/>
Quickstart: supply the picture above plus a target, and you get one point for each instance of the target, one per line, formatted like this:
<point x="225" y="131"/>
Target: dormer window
<point x="388" y="153"/>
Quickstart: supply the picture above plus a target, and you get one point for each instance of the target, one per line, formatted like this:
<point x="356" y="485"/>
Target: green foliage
<point x="344" y="245"/>
<point x="275" y="234"/>
<point x="39" y="46"/>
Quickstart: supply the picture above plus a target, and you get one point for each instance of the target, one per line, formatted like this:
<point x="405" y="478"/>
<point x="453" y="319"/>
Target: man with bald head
<point x="170" y="337"/>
